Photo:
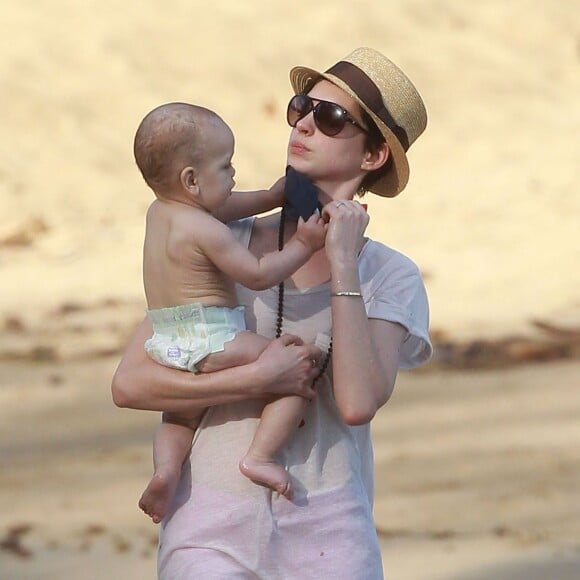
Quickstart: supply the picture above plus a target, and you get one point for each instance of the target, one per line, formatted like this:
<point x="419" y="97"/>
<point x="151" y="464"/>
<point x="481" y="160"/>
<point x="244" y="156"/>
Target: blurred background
<point x="477" y="453"/>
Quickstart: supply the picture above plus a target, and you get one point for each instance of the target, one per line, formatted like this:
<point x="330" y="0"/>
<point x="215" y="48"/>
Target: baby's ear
<point x="189" y="181"/>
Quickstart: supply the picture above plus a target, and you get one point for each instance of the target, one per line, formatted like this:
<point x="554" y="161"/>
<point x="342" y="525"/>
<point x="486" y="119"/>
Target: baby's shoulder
<point x="198" y="229"/>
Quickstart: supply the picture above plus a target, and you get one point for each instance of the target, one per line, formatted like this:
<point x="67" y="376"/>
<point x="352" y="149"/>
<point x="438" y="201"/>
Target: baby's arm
<point x="237" y="262"/>
<point x="245" y="203"/>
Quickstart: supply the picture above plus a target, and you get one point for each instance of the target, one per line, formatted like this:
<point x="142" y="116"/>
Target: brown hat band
<point x="370" y="95"/>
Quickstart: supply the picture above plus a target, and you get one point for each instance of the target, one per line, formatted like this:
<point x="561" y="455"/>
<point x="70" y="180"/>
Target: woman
<point x="360" y="301"/>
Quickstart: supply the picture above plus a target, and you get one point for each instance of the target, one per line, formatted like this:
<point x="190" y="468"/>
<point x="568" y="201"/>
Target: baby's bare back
<point x="175" y="270"/>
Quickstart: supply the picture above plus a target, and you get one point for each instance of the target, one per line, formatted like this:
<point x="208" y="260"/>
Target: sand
<point x="477" y="460"/>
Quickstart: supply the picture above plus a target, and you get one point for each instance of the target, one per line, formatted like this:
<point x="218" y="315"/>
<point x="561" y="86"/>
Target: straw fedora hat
<point x="387" y="95"/>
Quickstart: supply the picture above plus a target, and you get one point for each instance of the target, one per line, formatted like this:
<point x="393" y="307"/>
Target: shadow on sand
<point x="559" y="568"/>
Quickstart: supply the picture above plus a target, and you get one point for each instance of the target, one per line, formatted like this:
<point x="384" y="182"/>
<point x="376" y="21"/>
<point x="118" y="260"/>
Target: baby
<point x="191" y="261"/>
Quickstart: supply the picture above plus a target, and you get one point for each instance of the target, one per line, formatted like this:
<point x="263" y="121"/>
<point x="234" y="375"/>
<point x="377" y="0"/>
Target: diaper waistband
<point x="196" y="313"/>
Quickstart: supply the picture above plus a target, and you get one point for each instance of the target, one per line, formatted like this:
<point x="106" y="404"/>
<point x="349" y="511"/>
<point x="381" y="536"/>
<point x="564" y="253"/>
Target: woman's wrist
<point x="345" y="278"/>
<point x="259" y="379"/>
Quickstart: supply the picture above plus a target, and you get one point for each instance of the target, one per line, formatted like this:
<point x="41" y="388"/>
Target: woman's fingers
<point x="343" y="206"/>
<point x="348" y="221"/>
<point x="287" y="339"/>
<point x="289" y="366"/>
<point x="312" y="352"/>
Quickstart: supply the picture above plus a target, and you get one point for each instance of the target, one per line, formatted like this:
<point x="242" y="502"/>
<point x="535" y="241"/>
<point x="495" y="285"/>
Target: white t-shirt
<point x="222" y="525"/>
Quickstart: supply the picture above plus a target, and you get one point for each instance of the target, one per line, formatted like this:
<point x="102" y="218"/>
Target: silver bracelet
<point x="347" y="293"/>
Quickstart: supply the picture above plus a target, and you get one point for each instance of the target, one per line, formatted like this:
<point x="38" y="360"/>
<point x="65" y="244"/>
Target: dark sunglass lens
<point x="330" y="118"/>
<point x="298" y="107"/>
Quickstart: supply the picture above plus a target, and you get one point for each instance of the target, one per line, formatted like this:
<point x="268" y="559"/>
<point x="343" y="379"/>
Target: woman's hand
<point x="288" y="366"/>
<point x="348" y="221"/>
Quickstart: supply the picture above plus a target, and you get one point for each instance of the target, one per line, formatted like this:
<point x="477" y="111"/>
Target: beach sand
<point x="478" y="467"/>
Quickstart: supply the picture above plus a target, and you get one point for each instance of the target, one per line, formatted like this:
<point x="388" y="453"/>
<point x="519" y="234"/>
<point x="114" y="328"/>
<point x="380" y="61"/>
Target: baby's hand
<point x="277" y="192"/>
<point x="312" y="233"/>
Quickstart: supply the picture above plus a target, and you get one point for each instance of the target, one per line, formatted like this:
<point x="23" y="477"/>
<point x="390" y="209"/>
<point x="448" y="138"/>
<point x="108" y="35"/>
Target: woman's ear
<point x="188" y="180"/>
<point x="374" y="160"/>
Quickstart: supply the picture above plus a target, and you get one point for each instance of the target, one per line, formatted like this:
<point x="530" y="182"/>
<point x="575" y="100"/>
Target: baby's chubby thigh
<point x="243" y="349"/>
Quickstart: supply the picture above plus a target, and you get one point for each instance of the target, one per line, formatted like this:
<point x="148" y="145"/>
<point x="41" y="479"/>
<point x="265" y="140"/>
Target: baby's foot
<point x="158" y="494"/>
<point x="267" y="473"/>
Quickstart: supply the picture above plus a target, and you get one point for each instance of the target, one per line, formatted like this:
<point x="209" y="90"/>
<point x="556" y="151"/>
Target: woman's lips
<point x="298" y="148"/>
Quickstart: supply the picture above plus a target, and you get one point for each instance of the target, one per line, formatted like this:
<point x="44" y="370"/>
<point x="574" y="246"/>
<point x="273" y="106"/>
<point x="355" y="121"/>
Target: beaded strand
<point x="280" y="315"/>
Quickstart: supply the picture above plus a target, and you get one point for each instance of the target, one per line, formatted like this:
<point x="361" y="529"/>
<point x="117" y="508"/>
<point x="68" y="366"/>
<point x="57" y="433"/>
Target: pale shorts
<point x="185" y="335"/>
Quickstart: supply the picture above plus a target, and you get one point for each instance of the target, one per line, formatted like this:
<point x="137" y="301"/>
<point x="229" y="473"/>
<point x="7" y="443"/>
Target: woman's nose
<point x="306" y="124"/>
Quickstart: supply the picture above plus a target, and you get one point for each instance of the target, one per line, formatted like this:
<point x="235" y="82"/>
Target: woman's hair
<point x="373" y="141"/>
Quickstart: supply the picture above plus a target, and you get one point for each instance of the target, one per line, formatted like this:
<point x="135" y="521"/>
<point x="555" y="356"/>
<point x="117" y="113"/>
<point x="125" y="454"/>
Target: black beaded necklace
<point x="280" y="316"/>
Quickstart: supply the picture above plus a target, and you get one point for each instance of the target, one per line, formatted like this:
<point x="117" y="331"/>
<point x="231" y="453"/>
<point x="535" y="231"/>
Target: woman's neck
<point x="331" y="190"/>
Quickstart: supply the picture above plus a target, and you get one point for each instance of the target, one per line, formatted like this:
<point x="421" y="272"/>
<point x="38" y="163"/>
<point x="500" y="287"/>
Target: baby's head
<point x="184" y="149"/>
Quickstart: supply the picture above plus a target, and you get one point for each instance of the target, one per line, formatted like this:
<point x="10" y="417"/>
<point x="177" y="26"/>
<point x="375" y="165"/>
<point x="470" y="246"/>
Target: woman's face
<point x="330" y="162"/>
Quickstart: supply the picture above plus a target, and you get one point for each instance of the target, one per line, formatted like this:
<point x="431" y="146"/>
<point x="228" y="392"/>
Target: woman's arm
<point x="365" y="351"/>
<point x="285" y="367"/>
<point x="365" y="369"/>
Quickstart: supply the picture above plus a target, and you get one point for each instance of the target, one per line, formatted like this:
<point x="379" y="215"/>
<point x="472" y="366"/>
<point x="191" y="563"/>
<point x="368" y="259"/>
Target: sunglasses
<point x="329" y="117"/>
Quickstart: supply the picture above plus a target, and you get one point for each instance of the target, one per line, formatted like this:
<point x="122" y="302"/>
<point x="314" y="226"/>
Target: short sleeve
<point x="395" y="292"/>
<point x="242" y="230"/>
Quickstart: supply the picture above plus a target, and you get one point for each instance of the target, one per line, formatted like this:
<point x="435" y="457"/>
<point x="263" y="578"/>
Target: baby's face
<point x="215" y="174"/>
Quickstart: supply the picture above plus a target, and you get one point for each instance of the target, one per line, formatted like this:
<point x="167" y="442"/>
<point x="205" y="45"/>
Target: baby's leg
<point x="171" y="445"/>
<point x="243" y="349"/>
<point x="280" y="419"/>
